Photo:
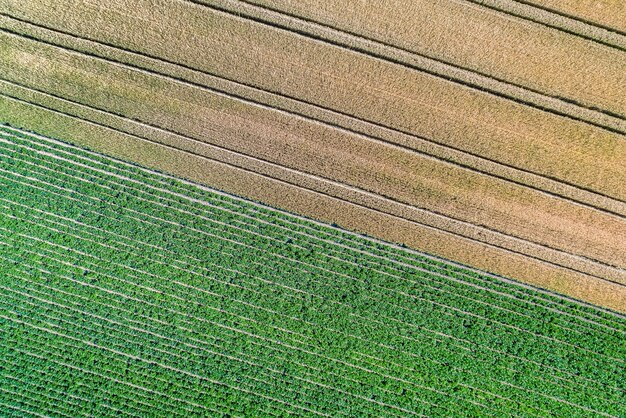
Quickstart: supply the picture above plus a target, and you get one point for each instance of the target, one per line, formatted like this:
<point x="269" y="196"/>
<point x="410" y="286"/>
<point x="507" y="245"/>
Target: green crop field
<point x="125" y="292"/>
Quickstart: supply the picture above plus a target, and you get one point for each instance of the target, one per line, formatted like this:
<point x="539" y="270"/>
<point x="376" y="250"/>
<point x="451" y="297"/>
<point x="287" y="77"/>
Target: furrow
<point x="456" y="152"/>
<point x="256" y="234"/>
<point x="23" y="412"/>
<point x="265" y="347"/>
<point x="52" y="356"/>
<point x="481" y="317"/>
<point x="162" y="365"/>
<point x="443" y="305"/>
<point x="27" y="383"/>
<point x="578" y="13"/>
<point x="182" y="355"/>
<point x="333" y="257"/>
<point x="247" y="304"/>
<point x="350" y="336"/>
<point x="35" y="401"/>
<point x="274" y="371"/>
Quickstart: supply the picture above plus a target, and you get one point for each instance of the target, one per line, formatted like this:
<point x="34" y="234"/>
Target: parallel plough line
<point x="217" y="353"/>
<point x="332" y="329"/>
<point x="362" y="363"/>
<point x="217" y="309"/>
<point x="429" y="273"/>
<point x="403" y="366"/>
<point x="306" y="116"/>
<point x="283" y="257"/>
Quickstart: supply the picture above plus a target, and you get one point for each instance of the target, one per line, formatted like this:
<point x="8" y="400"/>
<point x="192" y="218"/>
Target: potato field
<point x="127" y="292"/>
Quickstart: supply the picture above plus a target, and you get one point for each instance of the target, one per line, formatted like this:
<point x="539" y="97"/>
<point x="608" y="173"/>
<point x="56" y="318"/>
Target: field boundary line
<point x="514" y="282"/>
<point x="348" y="277"/>
<point x="240" y="230"/>
<point x="307" y="181"/>
<point x="525" y="389"/>
<point x="382" y="323"/>
<point x="322" y="225"/>
<point x="215" y="206"/>
<point x="308" y="293"/>
<point x="312" y="367"/>
<point x="313" y="238"/>
<point x="249" y="205"/>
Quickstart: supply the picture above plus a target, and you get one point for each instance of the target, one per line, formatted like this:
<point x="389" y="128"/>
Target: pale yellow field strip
<point x="607" y="13"/>
<point x="297" y="143"/>
<point x="467" y="131"/>
<point x="570" y="17"/>
<point x="317" y="183"/>
<point x="481" y="39"/>
<point x="319" y="114"/>
<point x="318" y="205"/>
<point x="430" y="65"/>
<point x="355" y="84"/>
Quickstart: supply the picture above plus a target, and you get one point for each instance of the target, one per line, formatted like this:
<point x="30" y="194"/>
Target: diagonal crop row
<point x="256" y="211"/>
<point x="200" y="294"/>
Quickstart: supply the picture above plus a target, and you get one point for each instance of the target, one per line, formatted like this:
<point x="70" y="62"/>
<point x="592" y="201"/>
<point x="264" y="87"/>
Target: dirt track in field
<point x="443" y="165"/>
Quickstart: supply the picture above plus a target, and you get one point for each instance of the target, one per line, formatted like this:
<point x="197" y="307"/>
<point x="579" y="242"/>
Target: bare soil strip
<point x="374" y="166"/>
<point x="317" y="205"/>
<point x="376" y="91"/>
<point x="570" y="23"/>
<point x="326" y="116"/>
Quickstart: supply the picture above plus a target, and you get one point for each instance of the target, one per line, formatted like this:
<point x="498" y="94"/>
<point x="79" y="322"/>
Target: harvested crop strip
<point x="127" y="292"/>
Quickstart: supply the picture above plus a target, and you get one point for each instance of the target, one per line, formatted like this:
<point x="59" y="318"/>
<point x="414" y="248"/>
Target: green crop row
<point x="296" y="234"/>
<point x="442" y="283"/>
<point x="165" y="296"/>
